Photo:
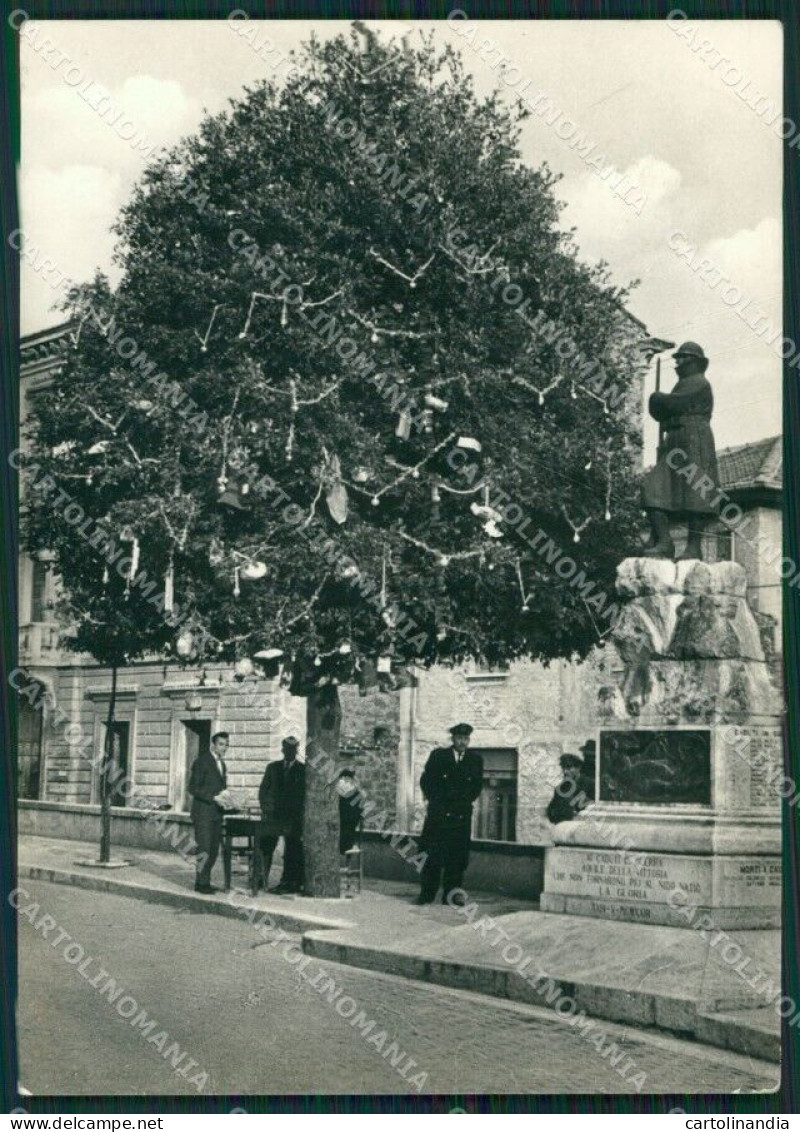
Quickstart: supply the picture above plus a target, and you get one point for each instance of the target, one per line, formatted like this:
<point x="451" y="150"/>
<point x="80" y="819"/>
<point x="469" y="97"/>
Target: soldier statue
<point x="684" y="484"/>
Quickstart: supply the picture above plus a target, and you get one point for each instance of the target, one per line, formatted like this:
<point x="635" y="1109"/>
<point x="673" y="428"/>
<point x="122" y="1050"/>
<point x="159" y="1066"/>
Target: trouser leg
<point x="430" y="877"/>
<point x="207" y="834"/>
<point x="268" y="843"/>
<point x="292" y="864"/>
<point x="455" y="862"/>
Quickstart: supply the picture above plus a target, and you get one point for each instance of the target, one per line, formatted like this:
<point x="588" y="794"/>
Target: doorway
<point x="196" y="741"/>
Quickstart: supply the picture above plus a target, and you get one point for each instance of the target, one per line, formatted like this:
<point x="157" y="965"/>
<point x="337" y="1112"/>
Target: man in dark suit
<point x="208" y="778"/>
<point x="451" y="781"/>
<point x="281" y="797"/>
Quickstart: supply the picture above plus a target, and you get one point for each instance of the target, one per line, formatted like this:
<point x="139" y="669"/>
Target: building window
<point x="39" y="591"/>
<point x="29" y="750"/>
<point x="495" y="815"/>
<point x="120" y="760"/>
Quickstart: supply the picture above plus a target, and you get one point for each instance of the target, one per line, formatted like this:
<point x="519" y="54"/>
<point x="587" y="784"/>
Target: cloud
<point x="68" y="128"/>
<point x="57" y="209"/>
<point x="604" y="218"/>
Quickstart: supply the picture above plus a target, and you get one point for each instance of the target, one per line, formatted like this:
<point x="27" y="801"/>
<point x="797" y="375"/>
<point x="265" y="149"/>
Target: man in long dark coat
<point x="684" y="484"/>
<point x="207" y="779"/>
<point x="450" y="783"/>
<point x="282" y="797"/>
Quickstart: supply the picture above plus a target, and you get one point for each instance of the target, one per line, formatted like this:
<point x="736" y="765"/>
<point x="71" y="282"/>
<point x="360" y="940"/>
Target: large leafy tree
<point x="321" y="274"/>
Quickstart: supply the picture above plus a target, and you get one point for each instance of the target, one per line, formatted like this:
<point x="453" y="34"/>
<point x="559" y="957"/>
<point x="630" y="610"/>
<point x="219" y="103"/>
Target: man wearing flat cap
<point x="570" y="796"/>
<point x="450" y="783"/>
<point x="281" y="797"/>
<point x="684" y="484"/>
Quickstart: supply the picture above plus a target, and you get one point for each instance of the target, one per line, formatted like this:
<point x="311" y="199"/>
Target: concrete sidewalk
<point x="661" y="977"/>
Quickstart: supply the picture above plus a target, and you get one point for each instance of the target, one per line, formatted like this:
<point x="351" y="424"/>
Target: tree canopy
<point x="325" y="411"/>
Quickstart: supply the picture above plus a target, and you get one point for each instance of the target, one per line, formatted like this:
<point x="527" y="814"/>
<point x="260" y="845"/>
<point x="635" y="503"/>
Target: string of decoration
<point x="541" y="393"/>
<point x="413" y="471"/>
<point x="576" y="527"/>
<point x="605" y="632"/>
<point x="76" y="337"/>
<point x="204" y="339"/>
<point x="608" y="483"/>
<point x="526" y="597"/>
<point x="481" y="259"/>
<point x="442" y="558"/>
<point x="375" y="330"/>
<point x="283" y="299"/>
<point x="410" y="279"/>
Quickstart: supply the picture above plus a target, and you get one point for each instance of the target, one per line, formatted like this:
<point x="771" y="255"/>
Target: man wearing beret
<point x="282" y="797"/>
<point x="684" y="484"/>
<point x="450" y="783"/>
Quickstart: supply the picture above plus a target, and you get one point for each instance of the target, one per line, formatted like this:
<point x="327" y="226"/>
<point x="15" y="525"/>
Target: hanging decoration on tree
<point x="296" y="403"/>
<point x="577" y="528"/>
<point x="608" y="483"/>
<point x="216" y="552"/>
<point x="253" y="570"/>
<point x="377" y="331"/>
<point x="204" y="338"/>
<point x="412" y="471"/>
<point x="76" y="337"/>
<point x="526" y="596"/>
<point x="243" y="668"/>
<point x="410" y="279"/>
<point x="404" y="422"/>
<point x="236" y="587"/>
<point x="335" y="490"/>
<point x="540" y="393"/>
<point x="169" y="586"/>
<point x="436" y="503"/>
<point x="184" y="645"/>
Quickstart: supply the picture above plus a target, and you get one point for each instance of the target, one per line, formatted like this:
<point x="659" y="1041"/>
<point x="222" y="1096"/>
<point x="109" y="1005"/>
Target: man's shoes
<point x="424" y="899"/>
<point x="281" y="890"/>
<point x="206" y="889"/>
<point x="457" y="900"/>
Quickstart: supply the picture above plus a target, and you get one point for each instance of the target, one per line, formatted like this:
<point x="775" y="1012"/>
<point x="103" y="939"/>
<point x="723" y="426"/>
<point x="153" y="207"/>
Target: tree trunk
<point x="105" y="774"/>
<point x="321" y="817"/>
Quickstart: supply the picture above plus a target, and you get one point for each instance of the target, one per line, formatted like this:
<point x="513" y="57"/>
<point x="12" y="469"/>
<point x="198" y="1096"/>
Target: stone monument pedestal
<point x="686" y="827"/>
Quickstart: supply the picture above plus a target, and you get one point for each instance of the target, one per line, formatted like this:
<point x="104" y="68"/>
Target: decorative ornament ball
<point x="375" y="501"/>
<point x="415" y="474"/>
<point x="373" y="337"/>
<point x="204" y="349"/>
<point x="444" y="560"/>
<point x="576" y="537"/>
<point x="608" y="515"/>
<point x="184" y="644"/>
<point x="526" y="608"/>
<point x="413" y="284"/>
<point x="242" y="335"/>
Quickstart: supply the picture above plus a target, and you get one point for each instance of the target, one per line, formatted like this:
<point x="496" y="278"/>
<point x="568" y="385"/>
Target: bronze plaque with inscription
<point x="655" y="766"/>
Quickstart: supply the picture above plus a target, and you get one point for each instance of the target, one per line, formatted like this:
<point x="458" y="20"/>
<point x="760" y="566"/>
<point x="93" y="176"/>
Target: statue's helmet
<point x="691" y="350"/>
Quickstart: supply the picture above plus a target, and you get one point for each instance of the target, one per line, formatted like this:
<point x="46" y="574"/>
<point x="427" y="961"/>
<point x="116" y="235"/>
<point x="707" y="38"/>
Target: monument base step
<point x="637" y="912"/>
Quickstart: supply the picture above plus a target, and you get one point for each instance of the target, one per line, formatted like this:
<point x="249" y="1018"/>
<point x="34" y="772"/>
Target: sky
<point x="707" y="170"/>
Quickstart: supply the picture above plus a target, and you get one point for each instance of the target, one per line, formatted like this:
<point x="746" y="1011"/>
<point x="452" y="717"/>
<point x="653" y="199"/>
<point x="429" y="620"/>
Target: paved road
<point x="252" y="1023"/>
